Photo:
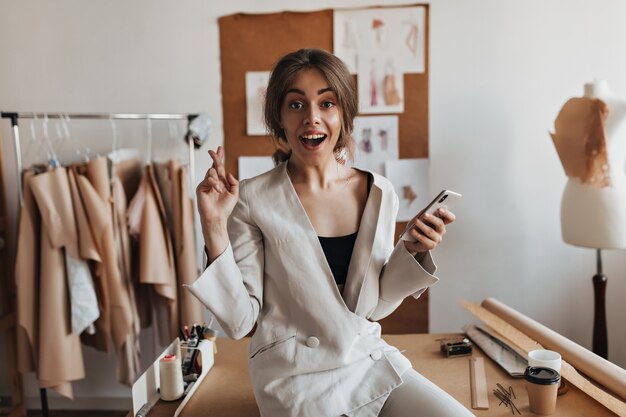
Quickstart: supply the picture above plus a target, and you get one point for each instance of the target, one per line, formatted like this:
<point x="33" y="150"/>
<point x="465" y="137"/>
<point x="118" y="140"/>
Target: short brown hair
<point x="339" y="80"/>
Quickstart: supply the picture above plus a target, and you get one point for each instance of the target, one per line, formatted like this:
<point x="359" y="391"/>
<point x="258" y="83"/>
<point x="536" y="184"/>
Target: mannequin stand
<point x="600" y="338"/>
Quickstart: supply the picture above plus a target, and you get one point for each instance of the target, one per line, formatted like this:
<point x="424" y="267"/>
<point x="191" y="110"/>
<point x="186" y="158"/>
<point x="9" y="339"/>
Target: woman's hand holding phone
<point x="426" y="230"/>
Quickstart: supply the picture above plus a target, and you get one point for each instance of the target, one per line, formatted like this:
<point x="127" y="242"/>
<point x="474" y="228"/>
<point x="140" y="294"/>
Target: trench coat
<point x="316" y="351"/>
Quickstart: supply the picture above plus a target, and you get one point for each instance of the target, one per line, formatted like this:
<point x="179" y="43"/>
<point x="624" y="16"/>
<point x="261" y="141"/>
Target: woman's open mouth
<point x="312" y="141"/>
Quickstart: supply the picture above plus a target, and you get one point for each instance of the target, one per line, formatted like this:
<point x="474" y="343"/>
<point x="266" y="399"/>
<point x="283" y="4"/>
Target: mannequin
<point x="590" y="138"/>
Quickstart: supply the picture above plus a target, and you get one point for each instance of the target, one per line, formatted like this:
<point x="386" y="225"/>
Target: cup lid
<point x="541" y="375"/>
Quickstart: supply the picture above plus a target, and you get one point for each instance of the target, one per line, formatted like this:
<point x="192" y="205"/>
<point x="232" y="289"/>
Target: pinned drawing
<point x="251" y="166"/>
<point x="256" y="85"/>
<point x="409" y="193"/>
<point x="376" y="140"/>
<point x="378" y="26"/>
<point x="396" y="32"/>
<point x="410" y="180"/>
<point x="380" y="86"/>
<point x="412" y="36"/>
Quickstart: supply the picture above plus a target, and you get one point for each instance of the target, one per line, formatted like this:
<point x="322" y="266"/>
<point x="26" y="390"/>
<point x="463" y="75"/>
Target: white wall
<point x="500" y="71"/>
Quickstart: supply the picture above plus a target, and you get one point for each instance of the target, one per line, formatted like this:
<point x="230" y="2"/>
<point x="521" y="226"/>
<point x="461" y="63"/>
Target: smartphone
<point x="446" y="199"/>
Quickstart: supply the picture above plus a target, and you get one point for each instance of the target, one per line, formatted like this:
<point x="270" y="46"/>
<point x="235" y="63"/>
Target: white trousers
<point x="415" y="397"/>
<point x="419" y="397"/>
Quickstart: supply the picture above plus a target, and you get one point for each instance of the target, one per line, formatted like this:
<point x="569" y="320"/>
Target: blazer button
<point x="312" y="342"/>
<point x="377" y="355"/>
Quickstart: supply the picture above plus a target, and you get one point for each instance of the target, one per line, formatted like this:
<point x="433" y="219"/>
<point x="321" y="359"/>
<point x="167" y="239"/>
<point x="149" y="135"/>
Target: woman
<point x="306" y="252"/>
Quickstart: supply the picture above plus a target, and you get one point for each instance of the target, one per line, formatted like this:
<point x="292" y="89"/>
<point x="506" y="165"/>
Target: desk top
<point x="227" y="392"/>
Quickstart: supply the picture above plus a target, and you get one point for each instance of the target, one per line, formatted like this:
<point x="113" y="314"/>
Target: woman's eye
<point x="295" y="105"/>
<point x="328" y="104"/>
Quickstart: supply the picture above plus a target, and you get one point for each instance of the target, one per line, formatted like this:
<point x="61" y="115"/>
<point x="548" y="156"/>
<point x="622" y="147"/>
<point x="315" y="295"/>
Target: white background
<point x="499" y="73"/>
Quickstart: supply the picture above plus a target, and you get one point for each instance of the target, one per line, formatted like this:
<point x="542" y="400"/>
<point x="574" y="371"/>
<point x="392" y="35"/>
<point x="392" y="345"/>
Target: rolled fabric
<point x="611" y="376"/>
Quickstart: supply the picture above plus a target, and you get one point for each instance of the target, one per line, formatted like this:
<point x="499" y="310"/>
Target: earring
<point x="341" y="155"/>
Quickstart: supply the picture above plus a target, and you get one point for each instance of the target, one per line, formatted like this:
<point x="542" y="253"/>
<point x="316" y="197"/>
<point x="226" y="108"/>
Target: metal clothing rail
<point x="15" y="116"/>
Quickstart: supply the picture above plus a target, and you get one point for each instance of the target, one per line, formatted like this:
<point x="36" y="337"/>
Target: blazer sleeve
<point x="231" y="287"/>
<point x="402" y="275"/>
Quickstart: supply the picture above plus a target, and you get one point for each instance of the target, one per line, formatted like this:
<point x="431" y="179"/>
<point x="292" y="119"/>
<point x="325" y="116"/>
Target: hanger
<point x="82" y="151"/>
<point x="53" y="160"/>
<point x="114" y="144"/>
<point x="175" y="136"/>
<point x="149" y="132"/>
<point x="41" y="152"/>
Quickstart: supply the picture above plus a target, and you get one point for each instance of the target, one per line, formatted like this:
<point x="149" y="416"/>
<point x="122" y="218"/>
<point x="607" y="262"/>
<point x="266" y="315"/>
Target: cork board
<point x="254" y="42"/>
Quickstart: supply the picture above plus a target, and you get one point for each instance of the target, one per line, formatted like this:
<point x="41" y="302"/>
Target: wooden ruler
<point x="478" y="380"/>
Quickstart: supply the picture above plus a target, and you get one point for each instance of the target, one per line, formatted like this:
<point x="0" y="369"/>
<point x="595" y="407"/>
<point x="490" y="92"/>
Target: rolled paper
<point x="611" y="376"/>
<point x="171" y="378"/>
<point x="525" y="343"/>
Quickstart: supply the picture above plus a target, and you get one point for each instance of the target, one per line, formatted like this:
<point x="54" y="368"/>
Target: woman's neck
<point x="598" y="89"/>
<point x="317" y="176"/>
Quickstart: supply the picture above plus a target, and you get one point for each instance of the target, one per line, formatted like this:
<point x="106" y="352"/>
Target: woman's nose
<point x="312" y="116"/>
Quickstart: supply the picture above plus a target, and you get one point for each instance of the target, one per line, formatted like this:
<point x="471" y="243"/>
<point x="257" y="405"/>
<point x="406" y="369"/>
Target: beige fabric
<point x="156" y="260"/>
<point x="191" y="310"/>
<point x="95" y="190"/>
<point x="274" y="273"/>
<point x="27" y="281"/>
<point x="580" y="140"/>
<point x="89" y="250"/>
<point x="134" y="212"/>
<point x="60" y="353"/>
<point x="128" y="359"/>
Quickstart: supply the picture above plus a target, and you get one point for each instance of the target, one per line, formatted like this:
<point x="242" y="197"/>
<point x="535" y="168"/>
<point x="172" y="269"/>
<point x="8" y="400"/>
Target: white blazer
<point x="315" y="351"/>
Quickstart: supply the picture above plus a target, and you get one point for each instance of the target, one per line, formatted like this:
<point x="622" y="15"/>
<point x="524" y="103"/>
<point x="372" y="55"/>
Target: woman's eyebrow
<point x="319" y="92"/>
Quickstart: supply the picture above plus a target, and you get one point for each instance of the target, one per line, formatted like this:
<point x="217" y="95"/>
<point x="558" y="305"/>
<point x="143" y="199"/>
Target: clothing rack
<point x="15" y="116"/>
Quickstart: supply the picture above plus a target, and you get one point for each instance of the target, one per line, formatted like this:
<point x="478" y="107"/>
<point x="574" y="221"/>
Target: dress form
<point x="593" y="216"/>
<point x="590" y="138"/>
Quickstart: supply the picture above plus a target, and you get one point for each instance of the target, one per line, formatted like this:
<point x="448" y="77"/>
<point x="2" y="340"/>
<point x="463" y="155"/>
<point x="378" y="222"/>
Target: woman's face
<point x="311" y="118"/>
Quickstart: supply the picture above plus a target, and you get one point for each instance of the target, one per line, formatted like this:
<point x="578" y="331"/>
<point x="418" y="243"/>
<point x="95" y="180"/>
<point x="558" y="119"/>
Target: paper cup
<point x="542" y="384"/>
<point x="545" y="359"/>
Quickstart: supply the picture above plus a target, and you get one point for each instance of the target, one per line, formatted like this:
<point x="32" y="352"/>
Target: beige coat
<point x="184" y="238"/>
<point x="316" y="352"/>
<point x="124" y="175"/>
<point x="50" y="347"/>
<point x="156" y="259"/>
<point x="27" y="280"/>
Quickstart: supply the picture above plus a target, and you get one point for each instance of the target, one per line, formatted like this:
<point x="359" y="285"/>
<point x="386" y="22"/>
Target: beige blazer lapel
<point x="362" y="252"/>
<point x="296" y="219"/>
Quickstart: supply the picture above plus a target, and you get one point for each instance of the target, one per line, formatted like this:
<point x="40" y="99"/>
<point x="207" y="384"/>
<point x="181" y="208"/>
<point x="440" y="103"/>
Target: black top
<point x="338" y="251"/>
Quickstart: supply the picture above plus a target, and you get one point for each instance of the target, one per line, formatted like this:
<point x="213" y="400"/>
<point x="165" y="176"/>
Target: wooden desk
<point x="227" y="392"/>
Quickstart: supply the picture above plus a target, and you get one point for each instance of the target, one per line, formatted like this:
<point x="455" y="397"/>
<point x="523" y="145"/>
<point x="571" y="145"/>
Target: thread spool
<point x="171" y="377"/>
<point x="210" y="334"/>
